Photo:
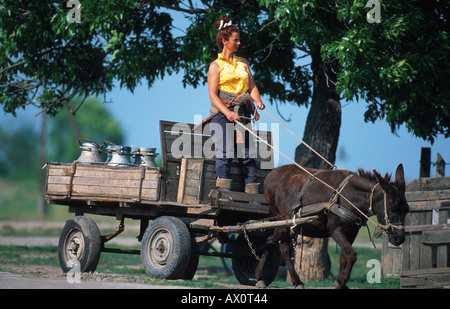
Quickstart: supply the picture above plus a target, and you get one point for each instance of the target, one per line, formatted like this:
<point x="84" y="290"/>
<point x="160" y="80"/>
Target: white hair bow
<point x="222" y="25"/>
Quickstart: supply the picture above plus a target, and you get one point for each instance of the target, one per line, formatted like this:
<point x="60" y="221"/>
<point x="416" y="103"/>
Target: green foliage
<point x="20" y="144"/>
<point x="17" y="153"/>
<point x="45" y="59"/>
<point x="271" y="53"/>
<point x="399" y="66"/>
<point x="93" y="121"/>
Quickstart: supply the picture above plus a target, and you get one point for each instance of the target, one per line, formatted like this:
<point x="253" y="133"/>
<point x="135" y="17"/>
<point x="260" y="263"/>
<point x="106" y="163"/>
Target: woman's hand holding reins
<point x="232" y="116"/>
<point x="260" y="105"/>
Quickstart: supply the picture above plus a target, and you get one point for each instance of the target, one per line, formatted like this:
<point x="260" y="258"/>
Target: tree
<point x="398" y="63"/>
<point x="19" y="143"/>
<point x="399" y="66"/>
<point x="47" y="57"/>
<point x="392" y="64"/>
<point x="92" y="121"/>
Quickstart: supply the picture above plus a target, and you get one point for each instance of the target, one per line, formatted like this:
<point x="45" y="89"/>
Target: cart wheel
<point x="245" y="264"/>
<point x="192" y="266"/>
<point x="166" y="246"/>
<point x="79" y="245"/>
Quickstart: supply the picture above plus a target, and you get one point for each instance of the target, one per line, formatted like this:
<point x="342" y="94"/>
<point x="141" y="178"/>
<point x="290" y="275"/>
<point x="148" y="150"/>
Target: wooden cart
<point x="177" y="204"/>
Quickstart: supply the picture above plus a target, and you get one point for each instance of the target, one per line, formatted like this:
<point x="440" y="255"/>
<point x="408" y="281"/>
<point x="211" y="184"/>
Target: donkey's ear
<point x="383" y="182"/>
<point x="400" y="177"/>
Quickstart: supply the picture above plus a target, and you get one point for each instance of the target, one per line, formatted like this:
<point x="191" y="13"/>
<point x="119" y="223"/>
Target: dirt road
<point x="15" y="281"/>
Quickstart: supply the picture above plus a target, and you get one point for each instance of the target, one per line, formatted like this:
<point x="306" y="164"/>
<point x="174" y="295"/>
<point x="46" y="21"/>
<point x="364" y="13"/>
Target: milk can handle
<point x="106" y="142"/>
<point x="89" y="140"/>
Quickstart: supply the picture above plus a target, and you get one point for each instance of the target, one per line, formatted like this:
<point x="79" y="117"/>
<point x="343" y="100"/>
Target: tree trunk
<point x="324" y="118"/>
<point x="322" y="134"/>
<point x="312" y="262"/>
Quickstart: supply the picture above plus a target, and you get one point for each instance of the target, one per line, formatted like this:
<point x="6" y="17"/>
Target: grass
<point x="19" y="202"/>
<point x="210" y="274"/>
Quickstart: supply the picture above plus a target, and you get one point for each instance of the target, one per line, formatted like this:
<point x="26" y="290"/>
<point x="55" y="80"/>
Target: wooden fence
<point x="423" y="261"/>
<point x="426" y="251"/>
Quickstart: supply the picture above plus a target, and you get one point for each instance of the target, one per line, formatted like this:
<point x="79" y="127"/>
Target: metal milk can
<point x="90" y="151"/>
<point x="145" y="156"/>
<point x="118" y="155"/>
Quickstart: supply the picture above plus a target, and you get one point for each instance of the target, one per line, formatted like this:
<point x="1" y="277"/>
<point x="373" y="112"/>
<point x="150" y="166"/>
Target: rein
<point x="379" y="226"/>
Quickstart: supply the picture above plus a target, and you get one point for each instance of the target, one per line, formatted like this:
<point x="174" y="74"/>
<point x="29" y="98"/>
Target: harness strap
<point x="345" y="214"/>
<point x="337" y="193"/>
<point x="335" y="208"/>
<point x="332" y="205"/>
<point x="303" y="190"/>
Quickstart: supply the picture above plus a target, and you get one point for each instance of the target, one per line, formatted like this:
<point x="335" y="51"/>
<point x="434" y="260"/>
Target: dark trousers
<point x="223" y="135"/>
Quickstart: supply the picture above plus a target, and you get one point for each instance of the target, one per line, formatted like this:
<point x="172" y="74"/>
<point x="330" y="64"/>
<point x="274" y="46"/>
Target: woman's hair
<point x="226" y="28"/>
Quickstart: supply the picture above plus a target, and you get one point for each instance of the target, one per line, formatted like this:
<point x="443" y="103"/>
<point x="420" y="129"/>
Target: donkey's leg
<point x="347" y="258"/>
<point x="285" y="248"/>
<point x="270" y="244"/>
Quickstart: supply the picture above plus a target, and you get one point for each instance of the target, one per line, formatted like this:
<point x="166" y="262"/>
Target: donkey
<point x="292" y="191"/>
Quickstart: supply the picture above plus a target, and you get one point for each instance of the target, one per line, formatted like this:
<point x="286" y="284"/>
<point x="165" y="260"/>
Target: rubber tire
<point x="192" y="266"/>
<point x="85" y="233"/>
<point x="171" y="236"/>
<point x="245" y="265"/>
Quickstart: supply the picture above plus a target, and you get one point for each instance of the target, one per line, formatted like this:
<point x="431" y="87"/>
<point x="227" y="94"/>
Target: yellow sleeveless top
<point x="233" y="75"/>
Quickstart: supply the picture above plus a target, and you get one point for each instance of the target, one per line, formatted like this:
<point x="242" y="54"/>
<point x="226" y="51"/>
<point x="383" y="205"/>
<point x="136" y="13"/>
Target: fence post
<point x="440" y="166"/>
<point x="425" y="162"/>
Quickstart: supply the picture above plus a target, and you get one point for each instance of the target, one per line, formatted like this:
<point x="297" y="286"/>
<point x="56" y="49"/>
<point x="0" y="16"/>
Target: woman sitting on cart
<point x="232" y="91"/>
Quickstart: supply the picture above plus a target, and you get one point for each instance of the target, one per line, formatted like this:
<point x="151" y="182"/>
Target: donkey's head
<point x="392" y="211"/>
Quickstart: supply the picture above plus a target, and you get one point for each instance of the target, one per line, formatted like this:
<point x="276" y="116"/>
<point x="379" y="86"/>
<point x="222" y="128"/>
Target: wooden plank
<point x="391" y="259"/>
<point x="428" y="184"/>
<point x="95" y="192"/>
<point x="182" y="181"/>
<point x="426" y="278"/>
<point x="191" y="180"/>
<point x="261" y="225"/>
<point x="426" y="227"/>
<point x="239" y="197"/>
<point x="424" y="205"/>
<point x="428" y="195"/>
<point x="414" y="251"/>
<point x="438" y="237"/>
<point x="87" y="170"/>
<point x="244" y="207"/>
<point x="65" y="180"/>
<point x="201" y="224"/>
<point x="171" y="180"/>
<point x="200" y="182"/>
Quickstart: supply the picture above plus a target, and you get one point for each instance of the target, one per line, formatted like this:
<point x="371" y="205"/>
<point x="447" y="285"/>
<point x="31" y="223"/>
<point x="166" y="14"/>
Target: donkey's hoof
<point x="300" y="286"/>
<point x="260" y="284"/>
<point x="339" y="286"/>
